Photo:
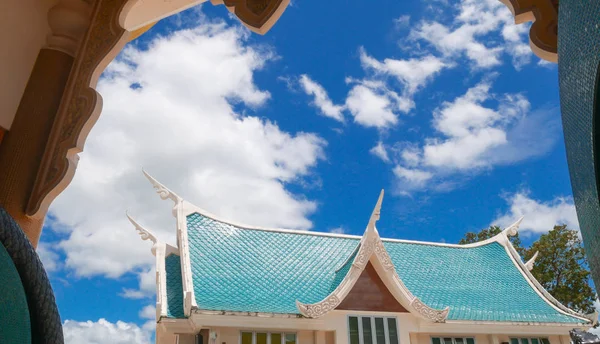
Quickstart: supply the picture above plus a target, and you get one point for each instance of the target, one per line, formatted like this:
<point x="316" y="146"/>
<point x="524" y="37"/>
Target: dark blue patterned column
<point x="578" y="62"/>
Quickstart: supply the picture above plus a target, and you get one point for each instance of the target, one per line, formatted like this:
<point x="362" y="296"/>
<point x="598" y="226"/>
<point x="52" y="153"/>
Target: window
<point x="248" y="337"/>
<point x="453" y="340"/>
<point x="372" y="330"/>
<point x="529" y="341"/>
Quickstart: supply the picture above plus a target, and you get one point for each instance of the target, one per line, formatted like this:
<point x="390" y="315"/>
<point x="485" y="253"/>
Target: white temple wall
<point x="333" y="328"/>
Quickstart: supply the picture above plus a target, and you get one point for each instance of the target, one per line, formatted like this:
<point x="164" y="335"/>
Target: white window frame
<point x="254" y="332"/>
<point x="373" y="333"/>
<point x="441" y="337"/>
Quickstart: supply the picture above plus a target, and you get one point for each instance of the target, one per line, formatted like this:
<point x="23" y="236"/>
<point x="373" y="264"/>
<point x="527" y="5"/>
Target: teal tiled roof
<point x="478" y="283"/>
<point x="252" y="270"/>
<point x="174" y="286"/>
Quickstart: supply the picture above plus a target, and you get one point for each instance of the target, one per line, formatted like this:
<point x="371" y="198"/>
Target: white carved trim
<point x="144" y="233"/>
<point x="531" y="262"/>
<point x="593" y="318"/>
<point x="366" y="249"/>
<point x="189" y="299"/>
<point x="161" y="282"/>
<point x="164" y="192"/>
<point x="371" y="247"/>
<point x="513" y="229"/>
<point x="434" y="315"/>
<point x="538" y="288"/>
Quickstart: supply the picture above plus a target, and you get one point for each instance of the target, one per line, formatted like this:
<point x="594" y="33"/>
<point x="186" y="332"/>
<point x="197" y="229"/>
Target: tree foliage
<point x="560" y="267"/>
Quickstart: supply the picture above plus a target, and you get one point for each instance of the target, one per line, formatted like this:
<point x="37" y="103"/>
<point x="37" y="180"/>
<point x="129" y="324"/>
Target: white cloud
<point x="148" y="312"/>
<point x="472" y="135"/>
<point x="471" y="129"/>
<point x="372" y="105"/>
<point x="147" y="285"/>
<point x="539" y="216"/>
<point x="338" y="230"/>
<point x="412" y="176"/>
<point x="322" y="100"/>
<point x="380" y="151"/>
<point x="181" y="126"/>
<point x="103" y="331"/>
<point x="48" y="256"/>
<point x="374" y="102"/>
<point x="412" y="73"/>
<point x="402" y="21"/>
<point x="471" y="27"/>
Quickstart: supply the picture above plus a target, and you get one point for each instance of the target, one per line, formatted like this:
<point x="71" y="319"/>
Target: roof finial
<point x="512" y="230"/>
<point x="162" y="190"/>
<point x="143" y="232"/>
<point x="376" y="211"/>
<point x="530" y="262"/>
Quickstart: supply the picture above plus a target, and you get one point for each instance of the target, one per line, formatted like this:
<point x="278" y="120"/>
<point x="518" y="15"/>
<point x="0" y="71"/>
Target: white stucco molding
<point x="189" y="299"/>
<point x="144" y="233"/>
<point x="371" y="247"/>
<point x="531" y="262"/>
<point x="159" y="251"/>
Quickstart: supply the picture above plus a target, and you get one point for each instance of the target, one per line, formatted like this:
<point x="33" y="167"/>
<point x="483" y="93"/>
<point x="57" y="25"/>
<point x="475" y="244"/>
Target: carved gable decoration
<point x="370" y="294"/>
<point x="543" y="35"/>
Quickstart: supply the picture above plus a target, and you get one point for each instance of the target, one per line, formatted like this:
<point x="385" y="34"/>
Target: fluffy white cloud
<point x="470" y="30"/>
<point x="103" y="331"/>
<point x="412" y="176"/>
<point x="48" y="256"/>
<point x="171" y="109"/>
<point x="539" y="216"/>
<point x="472" y="135"/>
<point x="380" y="151"/>
<point x="322" y="100"/>
<point x="471" y="129"/>
<point x="412" y="73"/>
<point x="372" y="105"/>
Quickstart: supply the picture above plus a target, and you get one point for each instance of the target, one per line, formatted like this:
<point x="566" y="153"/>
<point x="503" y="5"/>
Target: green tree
<point x="560" y="267"/>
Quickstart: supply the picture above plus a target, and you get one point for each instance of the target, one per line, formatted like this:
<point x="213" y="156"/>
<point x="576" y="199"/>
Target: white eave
<point x="189" y="299"/>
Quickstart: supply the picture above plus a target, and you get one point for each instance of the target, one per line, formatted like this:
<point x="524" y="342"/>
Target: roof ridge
<point x="190" y="209"/>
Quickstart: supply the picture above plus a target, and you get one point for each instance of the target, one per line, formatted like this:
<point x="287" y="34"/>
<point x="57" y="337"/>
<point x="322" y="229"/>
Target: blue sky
<point x="440" y="103"/>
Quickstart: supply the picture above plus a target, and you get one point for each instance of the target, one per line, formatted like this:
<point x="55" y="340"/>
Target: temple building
<point x="230" y="283"/>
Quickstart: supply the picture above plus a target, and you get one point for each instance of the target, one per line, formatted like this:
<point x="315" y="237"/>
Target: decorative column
<point x="24" y="145"/>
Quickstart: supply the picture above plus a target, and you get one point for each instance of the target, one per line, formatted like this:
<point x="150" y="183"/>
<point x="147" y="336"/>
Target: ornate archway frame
<point x="81" y="104"/>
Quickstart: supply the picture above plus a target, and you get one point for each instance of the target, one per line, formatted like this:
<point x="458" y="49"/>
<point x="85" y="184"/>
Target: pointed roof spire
<point x="143" y="232"/>
<point x="376" y="211"/>
<point x="162" y="190"/>
<point x="513" y="229"/>
<point x="530" y="262"/>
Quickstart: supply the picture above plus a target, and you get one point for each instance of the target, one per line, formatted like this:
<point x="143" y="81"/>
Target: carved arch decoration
<point x="81" y="104"/>
<point x="371" y="248"/>
<point x="543" y="34"/>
